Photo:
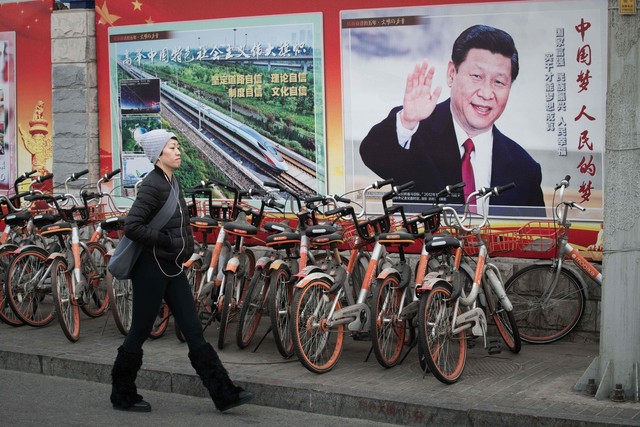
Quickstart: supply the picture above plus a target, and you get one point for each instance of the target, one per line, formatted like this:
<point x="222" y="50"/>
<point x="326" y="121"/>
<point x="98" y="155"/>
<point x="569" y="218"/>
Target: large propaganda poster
<point x="526" y="81"/>
<point x="26" y="124"/>
<point x="245" y="97"/>
<point x="7" y="107"/>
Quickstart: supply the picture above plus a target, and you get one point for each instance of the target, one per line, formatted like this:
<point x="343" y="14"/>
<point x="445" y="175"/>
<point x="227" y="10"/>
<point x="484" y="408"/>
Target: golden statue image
<point x="37" y="141"/>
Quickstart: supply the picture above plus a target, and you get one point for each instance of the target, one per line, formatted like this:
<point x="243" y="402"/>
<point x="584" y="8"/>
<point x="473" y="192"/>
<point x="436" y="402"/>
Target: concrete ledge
<point x="323" y="399"/>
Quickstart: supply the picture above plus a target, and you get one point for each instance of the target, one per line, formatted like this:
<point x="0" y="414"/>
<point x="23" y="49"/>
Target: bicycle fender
<point x="387" y="272"/>
<point x="430" y="282"/>
<point x="277" y="264"/>
<point x="232" y="265"/>
<point x="262" y="262"/>
<point x="307" y="270"/>
<point x="313" y="276"/>
<point x="55" y="255"/>
<point x="194" y="257"/>
<point x="21" y="249"/>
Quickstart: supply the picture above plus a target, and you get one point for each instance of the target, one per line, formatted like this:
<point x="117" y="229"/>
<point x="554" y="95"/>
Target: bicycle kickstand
<point x="261" y="339"/>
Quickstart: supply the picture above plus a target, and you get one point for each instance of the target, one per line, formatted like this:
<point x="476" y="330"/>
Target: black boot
<point x="215" y="378"/>
<point x="124" y="393"/>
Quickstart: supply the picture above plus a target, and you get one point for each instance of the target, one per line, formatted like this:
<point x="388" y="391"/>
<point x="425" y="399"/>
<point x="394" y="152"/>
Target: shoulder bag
<point x="127" y="252"/>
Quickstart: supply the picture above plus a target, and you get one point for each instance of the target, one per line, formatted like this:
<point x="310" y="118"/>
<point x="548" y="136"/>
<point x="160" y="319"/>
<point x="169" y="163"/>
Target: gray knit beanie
<point x="153" y="143"/>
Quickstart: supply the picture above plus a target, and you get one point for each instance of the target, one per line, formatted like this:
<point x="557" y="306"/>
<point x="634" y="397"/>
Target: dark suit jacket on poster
<point x="433" y="162"/>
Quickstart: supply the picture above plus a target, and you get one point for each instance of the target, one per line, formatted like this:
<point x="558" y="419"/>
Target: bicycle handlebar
<point x="378" y="184"/>
<point x="450" y="189"/>
<point x="482" y="196"/>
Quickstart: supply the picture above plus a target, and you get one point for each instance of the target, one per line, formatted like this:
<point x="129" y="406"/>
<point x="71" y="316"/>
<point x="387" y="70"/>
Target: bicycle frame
<point x="475" y="318"/>
<point x="566" y="250"/>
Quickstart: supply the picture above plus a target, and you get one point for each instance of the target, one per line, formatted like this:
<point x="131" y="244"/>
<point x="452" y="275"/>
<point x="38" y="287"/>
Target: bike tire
<point x="445" y="352"/>
<point x="543" y="324"/>
<point x="6" y="313"/>
<point x="317" y="346"/>
<point x="95" y="272"/>
<point x="67" y="310"/>
<point x="279" y="303"/>
<point x="387" y="332"/>
<point x="121" y="302"/>
<point x="161" y="322"/>
<point x="252" y="308"/>
<point x="30" y="301"/>
<point x="504" y="320"/>
<point x="230" y="284"/>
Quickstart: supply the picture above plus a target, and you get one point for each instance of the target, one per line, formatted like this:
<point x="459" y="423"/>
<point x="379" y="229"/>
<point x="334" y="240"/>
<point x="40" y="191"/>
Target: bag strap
<point x="164" y="215"/>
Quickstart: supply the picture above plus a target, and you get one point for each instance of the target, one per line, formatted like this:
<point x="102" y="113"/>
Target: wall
<point x="75" y="102"/>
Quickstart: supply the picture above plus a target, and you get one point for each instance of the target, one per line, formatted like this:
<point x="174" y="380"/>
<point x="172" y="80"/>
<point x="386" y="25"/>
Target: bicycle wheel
<point x="231" y="282"/>
<point x="387" y="331"/>
<point x="279" y="305"/>
<point x="545" y="314"/>
<point x="161" y="321"/>
<point x="249" y="270"/>
<point x="67" y="310"/>
<point x="445" y="352"/>
<point x="121" y="302"/>
<point x="28" y="288"/>
<point x="6" y="314"/>
<point x="504" y="320"/>
<point x="317" y="346"/>
<point x="252" y="308"/>
<point x="94" y="268"/>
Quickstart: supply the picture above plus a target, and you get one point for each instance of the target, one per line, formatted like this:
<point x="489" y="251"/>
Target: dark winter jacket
<point x="175" y="241"/>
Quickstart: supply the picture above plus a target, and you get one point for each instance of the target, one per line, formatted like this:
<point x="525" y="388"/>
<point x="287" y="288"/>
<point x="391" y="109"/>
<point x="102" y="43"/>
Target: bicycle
<point x="549" y="297"/>
<point x="318" y="316"/>
<point x="30" y="304"/>
<point x="18" y="224"/>
<point x="75" y="269"/>
<point x="447" y="312"/>
<point x="271" y="287"/>
<point x="240" y="265"/>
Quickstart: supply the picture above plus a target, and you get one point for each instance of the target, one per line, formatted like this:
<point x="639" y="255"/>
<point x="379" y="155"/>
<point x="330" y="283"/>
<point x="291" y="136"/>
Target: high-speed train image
<point x="244" y="139"/>
<point x="241" y="137"/>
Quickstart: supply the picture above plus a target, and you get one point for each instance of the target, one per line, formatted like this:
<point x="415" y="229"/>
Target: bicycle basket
<point x="496" y="241"/>
<point x="539" y="237"/>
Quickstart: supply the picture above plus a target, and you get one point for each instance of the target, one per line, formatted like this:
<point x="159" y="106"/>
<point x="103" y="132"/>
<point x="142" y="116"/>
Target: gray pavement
<point x="534" y="387"/>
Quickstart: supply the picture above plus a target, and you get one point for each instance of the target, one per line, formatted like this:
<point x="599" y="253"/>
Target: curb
<point x="321" y="398"/>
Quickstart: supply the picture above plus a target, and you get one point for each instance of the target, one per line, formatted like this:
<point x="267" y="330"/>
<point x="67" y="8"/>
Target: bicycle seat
<point x="320" y="230"/>
<point x="240" y="228"/>
<point x="62" y="227"/>
<point x="327" y="240"/>
<point x="438" y="243"/>
<point x="17" y="219"/>
<point x="113" y="223"/>
<point x="396" y="238"/>
<point x="42" y="220"/>
<point x="277" y="227"/>
<point x="203" y="224"/>
<point x="284" y="240"/>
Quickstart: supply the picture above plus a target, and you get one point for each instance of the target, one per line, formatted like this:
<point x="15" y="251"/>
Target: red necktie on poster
<point x="467" y="172"/>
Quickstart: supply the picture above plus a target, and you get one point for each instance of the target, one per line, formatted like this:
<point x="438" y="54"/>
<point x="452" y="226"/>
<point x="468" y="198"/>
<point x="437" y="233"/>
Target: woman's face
<point x="479" y="90"/>
<point x="170" y="157"/>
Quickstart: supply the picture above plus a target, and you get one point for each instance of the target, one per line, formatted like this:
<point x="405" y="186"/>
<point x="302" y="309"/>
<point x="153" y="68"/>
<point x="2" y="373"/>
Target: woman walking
<point x="158" y="274"/>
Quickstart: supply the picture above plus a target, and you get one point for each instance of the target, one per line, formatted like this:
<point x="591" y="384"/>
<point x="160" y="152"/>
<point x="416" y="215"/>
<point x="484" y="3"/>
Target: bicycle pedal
<point x="494" y="346"/>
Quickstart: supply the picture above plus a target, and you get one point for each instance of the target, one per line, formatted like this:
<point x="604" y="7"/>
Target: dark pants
<point x="150" y="286"/>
